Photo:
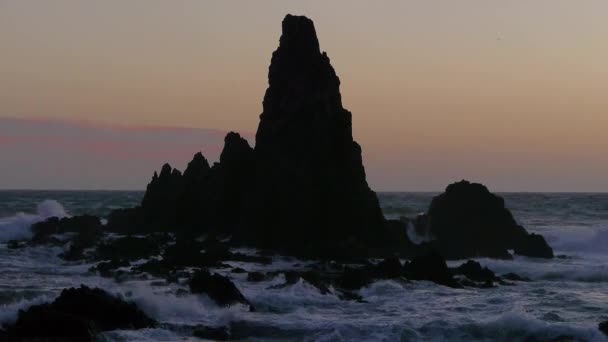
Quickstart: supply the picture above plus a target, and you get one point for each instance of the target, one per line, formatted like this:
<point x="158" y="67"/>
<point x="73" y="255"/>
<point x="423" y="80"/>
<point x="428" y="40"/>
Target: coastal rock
<point x="311" y="196"/>
<point x="603" y="326"/>
<point x="107" y="268"/>
<point x="219" y="288"/>
<point x="534" y="245"/>
<point x="514" y="277"/>
<point x="234" y="178"/>
<point x="255" y="276"/>
<point x="159" y="204"/>
<point x="202" y="200"/>
<point x="129" y="248"/>
<point x="212" y="333"/>
<point x="467" y="220"/>
<point x="355" y="278"/>
<point x="389" y="268"/>
<point x="86" y="225"/>
<point x="311" y="277"/>
<point x="77" y="315"/>
<point x="473" y="270"/>
<point x="430" y="267"/>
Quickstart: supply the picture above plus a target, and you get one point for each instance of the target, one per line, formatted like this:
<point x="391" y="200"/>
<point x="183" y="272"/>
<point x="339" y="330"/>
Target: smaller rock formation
<point x="87" y="226"/>
<point x="468" y="221"/>
<point x="202" y="200"/>
<point x="603" y="326"/>
<point x="128" y="248"/>
<point x="212" y="333"/>
<point x="534" y="245"/>
<point x="77" y="315"/>
<point x="430" y="267"/>
<point x="219" y="288"/>
<point x="473" y="270"/>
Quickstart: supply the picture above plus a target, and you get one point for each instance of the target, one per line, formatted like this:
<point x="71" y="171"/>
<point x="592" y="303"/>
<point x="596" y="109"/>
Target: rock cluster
<point x="301" y="191"/>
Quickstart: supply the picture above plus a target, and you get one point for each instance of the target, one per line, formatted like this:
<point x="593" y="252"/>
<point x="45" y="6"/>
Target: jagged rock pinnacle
<point x="310" y="188"/>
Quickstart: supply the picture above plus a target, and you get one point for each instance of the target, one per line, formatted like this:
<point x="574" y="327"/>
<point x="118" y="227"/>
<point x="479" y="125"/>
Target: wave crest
<point x="17" y="227"/>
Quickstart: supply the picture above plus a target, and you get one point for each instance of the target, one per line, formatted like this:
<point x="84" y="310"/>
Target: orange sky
<point x="509" y="93"/>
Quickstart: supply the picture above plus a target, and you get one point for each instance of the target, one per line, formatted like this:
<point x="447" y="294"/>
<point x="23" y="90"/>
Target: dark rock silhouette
<point x="301" y="191"/>
<point x="514" y="277"/>
<point x="310" y="196"/>
<point x="603" y="326"/>
<point x="212" y="333"/>
<point x="389" y="268"/>
<point x="217" y="287"/>
<point x="77" y="315"/>
<point x="430" y="267"/>
<point x="533" y="245"/>
<point x="128" y="248"/>
<point x="256" y="276"/>
<point x="473" y="270"/>
<point x="87" y="226"/>
<point x="469" y="221"/>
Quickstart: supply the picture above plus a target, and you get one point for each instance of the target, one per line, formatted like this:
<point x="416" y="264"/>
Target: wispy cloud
<point x="83" y="154"/>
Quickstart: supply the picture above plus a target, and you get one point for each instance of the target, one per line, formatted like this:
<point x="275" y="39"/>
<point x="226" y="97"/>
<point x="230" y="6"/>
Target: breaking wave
<point x="18" y="226"/>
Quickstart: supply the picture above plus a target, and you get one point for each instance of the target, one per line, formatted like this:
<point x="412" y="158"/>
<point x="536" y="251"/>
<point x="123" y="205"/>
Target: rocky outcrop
<point x="303" y="190"/>
<point x="311" y="195"/>
<point x="468" y="221"/>
<point x="87" y="227"/>
<point x="430" y="267"/>
<point x="219" y="288"/>
<point x="533" y="245"/>
<point x="203" y="199"/>
<point x="603" y="326"/>
<point x="473" y="270"/>
<point x="77" y="315"/>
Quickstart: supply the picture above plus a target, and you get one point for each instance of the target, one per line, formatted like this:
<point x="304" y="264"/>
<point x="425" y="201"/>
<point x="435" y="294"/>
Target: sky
<point x="507" y="93"/>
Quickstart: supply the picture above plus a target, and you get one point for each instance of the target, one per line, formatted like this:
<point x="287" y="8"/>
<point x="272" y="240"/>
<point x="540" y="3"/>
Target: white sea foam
<point x="18" y="226"/>
<point x="8" y="313"/>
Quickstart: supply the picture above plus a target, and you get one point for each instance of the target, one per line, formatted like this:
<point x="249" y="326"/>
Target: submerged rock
<point x="514" y="277"/>
<point x="107" y="268"/>
<point x="468" y="221"/>
<point x="219" y="288"/>
<point x="77" y="315"/>
<point x="255" y="276"/>
<point x="15" y="244"/>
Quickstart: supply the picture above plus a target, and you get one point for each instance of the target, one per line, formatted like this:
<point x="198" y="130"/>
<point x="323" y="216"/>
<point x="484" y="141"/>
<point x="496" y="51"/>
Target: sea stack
<point x="468" y="221"/>
<point x="310" y="188"/>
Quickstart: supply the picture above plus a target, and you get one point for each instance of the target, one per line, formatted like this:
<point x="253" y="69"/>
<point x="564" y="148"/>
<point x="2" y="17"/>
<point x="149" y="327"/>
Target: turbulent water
<point x="566" y="297"/>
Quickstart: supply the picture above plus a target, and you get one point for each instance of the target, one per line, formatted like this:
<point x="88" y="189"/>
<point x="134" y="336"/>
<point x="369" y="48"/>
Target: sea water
<point x="566" y="298"/>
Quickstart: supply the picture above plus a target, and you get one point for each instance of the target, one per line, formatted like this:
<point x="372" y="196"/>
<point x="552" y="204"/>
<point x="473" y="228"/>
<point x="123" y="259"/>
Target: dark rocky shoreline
<point x="304" y="156"/>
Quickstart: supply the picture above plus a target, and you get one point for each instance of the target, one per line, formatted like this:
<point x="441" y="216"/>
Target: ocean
<point x="566" y="298"/>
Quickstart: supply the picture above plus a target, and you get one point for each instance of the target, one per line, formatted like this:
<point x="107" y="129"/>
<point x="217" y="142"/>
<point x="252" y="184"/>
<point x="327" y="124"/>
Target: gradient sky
<point x="508" y="93"/>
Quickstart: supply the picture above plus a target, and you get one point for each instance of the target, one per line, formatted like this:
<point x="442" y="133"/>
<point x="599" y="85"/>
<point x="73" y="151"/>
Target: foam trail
<point x="18" y="226"/>
<point x="582" y="241"/>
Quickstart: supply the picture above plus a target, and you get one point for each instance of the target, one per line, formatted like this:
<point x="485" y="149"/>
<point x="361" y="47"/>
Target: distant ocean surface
<point x="567" y="296"/>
